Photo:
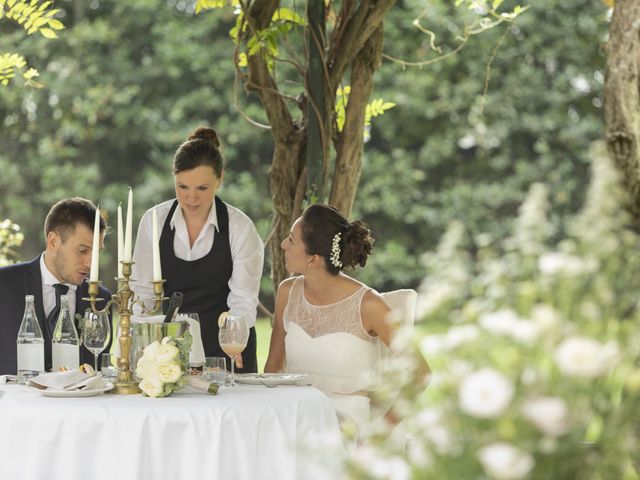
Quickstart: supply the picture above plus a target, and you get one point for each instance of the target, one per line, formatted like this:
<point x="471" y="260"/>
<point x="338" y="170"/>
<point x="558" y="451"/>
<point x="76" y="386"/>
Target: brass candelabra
<point x="124" y="299"/>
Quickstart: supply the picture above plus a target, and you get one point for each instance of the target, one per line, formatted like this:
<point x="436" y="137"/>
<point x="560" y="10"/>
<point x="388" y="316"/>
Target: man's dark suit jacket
<point x="22" y="279"/>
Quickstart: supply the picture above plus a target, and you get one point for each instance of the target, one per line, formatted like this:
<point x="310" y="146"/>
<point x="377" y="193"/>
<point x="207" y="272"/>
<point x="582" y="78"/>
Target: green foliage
<point x="122" y="94"/>
<point x="33" y="17"/>
<point x="533" y="342"/>
<point x="266" y="41"/>
<point x="374" y="108"/>
<point x="10" y="238"/>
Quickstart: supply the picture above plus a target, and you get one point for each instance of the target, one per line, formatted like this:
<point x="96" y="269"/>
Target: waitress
<point x="209" y="250"/>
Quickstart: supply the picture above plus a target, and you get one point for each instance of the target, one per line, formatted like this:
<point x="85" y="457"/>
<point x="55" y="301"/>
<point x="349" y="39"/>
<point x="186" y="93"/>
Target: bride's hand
<point x="239" y="361"/>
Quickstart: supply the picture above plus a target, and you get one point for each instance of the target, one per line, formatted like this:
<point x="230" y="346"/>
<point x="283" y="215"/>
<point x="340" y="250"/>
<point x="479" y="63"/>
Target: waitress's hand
<point x="239" y="361"/>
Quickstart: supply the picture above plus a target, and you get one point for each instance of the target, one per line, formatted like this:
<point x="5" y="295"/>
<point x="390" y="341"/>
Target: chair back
<point x="403" y="305"/>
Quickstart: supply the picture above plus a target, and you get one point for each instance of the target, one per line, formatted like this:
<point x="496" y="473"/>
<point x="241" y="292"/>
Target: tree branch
<point x="350" y="37"/>
<point x="349" y="149"/>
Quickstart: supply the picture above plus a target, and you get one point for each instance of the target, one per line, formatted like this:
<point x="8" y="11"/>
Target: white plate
<point x="76" y="393"/>
<point x="272" y="378"/>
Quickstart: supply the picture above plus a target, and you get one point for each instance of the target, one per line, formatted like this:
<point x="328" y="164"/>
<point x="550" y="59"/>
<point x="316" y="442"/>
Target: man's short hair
<point x="69" y="212"/>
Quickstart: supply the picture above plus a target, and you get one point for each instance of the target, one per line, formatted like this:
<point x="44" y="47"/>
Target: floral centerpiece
<point x="162" y="369"/>
<point x="534" y="343"/>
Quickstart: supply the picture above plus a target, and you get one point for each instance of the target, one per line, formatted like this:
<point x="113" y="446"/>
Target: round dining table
<point x="245" y="432"/>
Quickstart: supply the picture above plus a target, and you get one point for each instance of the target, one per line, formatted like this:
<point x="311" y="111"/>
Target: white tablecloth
<point x="248" y="432"/>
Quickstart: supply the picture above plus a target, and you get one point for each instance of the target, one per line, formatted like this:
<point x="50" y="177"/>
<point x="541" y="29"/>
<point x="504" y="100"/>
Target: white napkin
<point x="67" y="380"/>
<point x="196" y="355"/>
<point x="8" y="378"/>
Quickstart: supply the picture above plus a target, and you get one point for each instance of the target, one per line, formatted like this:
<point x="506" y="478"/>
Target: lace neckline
<point x="348" y="297"/>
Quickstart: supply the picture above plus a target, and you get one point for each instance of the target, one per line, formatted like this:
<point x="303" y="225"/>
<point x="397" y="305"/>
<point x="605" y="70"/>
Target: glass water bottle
<point x="65" y="344"/>
<point x="30" y="343"/>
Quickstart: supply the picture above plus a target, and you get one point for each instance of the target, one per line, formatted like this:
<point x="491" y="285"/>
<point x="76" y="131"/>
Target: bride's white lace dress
<point x="329" y="344"/>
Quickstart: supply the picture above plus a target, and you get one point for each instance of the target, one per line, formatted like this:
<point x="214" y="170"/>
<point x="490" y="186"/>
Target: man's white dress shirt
<point x="49" y="292"/>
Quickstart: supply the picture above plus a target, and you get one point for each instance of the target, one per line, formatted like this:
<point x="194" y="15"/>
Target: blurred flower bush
<point x="10" y="237"/>
<point x="534" y="343"/>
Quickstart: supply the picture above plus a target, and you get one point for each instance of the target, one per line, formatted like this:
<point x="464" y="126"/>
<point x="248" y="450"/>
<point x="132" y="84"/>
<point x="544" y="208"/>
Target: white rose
<point x="549" y="414"/>
<point x="151" y="350"/>
<point x="169" y="372"/>
<point x="585" y="357"/>
<point x="503" y="461"/>
<point x="151" y="386"/>
<point x="485" y="393"/>
<point x="146" y="367"/>
<point x="167" y="353"/>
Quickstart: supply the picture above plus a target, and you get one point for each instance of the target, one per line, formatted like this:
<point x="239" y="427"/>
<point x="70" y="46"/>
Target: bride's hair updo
<point x="201" y="148"/>
<point x="326" y="232"/>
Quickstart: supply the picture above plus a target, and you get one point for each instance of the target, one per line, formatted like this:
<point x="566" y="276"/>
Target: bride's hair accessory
<point x="335" y="251"/>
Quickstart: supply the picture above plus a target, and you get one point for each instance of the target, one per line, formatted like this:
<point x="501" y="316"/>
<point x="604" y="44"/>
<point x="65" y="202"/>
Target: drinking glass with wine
<point x="233" y="336"/>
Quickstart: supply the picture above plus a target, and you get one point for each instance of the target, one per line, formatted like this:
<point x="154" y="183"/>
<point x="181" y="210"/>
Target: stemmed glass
<point x="233" y="336"/>
<point x="96" y="333"/>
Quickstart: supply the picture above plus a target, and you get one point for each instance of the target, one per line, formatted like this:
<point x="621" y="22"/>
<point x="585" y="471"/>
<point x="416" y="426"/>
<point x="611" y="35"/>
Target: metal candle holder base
<point x="124" y="299"/>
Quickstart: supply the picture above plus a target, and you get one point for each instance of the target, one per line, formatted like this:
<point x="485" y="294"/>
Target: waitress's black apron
<point x="205" y="285"/>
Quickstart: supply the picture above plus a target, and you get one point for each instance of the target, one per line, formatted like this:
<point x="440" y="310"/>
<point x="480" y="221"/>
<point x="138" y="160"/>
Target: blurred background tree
<point x="129" y="81"/>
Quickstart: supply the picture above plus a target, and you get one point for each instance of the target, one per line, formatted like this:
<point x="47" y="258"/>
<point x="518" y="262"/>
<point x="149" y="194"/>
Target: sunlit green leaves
<point x="9" y="62"/>
<point x="32" y="16"/>
<point x="375" y="108"/>
<point x="202" y="5"/>
<point x="266" y="41"/>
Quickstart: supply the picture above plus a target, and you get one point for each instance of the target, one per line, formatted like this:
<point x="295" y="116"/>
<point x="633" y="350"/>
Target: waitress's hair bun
<point x="205" y="133"/>
<point x="201" y="148"/>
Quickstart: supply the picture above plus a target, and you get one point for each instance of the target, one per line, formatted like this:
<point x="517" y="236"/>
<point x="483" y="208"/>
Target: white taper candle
<point x="157" y="270"/>
<point x="128" y="233"/>
<point x="120" y="240"/>
<point x="95" y="251"/>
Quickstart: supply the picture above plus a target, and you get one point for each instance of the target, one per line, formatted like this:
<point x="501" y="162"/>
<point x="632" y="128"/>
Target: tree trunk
<point x="622" y="97"/>
<point x="346" y="175"/>
<point x="286" y="170"/>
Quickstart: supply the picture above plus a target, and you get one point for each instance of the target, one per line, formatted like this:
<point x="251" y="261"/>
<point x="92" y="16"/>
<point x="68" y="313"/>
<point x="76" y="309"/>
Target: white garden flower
<point x="485" y="393"/>
<point x="147" y="367"/>
<point x="153" y="387"/>
<point x="151" y="350"/>
<point x="507" y="322"/>
<point x="555" y="263"/>
<point x="372" y="461"/>
<point x="169" y="372"/>
<point x="433" y="344"/>
<point x="545" y="316"/>
<point x="431" y="425"/>
<point x="501" y="322"/>
<point x="550" y="415"/>
<point x="460" y="334"/>
<point x="503" y="461"/>
<point x="167" y="353"/>
<point x="585" y="357"/>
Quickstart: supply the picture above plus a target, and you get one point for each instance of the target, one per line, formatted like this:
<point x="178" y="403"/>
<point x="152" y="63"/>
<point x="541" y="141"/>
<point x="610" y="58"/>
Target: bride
<point x="327" y="324"/>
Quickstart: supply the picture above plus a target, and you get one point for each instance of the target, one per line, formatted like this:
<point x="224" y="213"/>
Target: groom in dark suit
<point x="62" y="268"/>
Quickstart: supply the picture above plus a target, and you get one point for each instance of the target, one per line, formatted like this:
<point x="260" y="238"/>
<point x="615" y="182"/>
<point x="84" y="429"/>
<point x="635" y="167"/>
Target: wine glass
<point x="233" y="336"/>
<point x="96" y="333"/>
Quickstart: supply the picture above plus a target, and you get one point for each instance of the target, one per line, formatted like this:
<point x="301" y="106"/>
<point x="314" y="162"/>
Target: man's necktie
<point x="52" y="318"/>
